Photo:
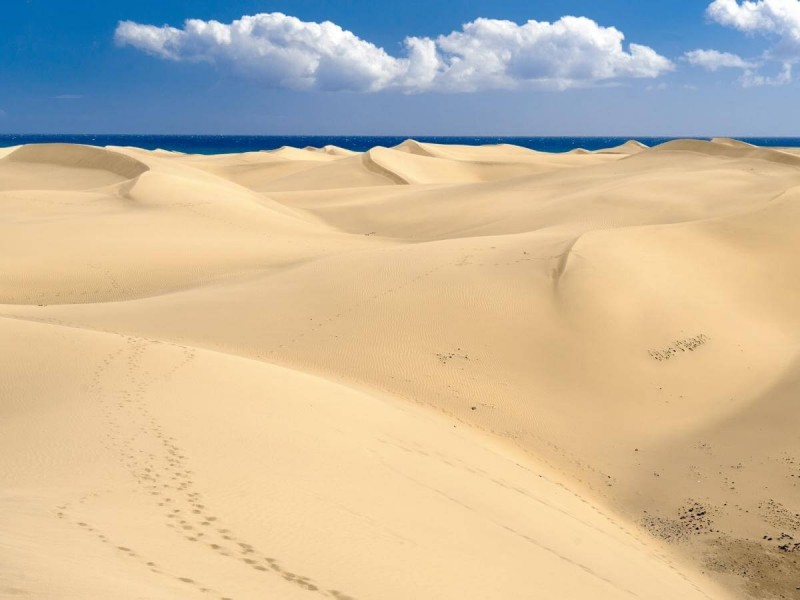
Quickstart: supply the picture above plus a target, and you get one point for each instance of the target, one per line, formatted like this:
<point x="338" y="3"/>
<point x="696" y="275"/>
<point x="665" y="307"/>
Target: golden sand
<point x="427" y="371"/>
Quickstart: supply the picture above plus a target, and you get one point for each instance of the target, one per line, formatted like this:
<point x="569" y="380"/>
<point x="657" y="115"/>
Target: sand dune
<point x="417" y="168"/>
<point x="63" y="166"/>
<point x="729" y="150"/>
<point x="279" y="506"/>
<point x="502" y="153"/>
<point x="332" y="150"/>
<point x="416" y="372"/>
<point x="629" y="147"/>
<point x="732" y="142"/>
<point x="79" y="157"/>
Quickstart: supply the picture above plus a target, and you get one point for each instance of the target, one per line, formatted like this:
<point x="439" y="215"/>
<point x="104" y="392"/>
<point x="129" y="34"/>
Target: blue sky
<point x="472" y="67"/>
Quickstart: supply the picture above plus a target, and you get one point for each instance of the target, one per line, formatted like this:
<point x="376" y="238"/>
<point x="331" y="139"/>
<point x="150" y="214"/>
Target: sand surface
<point x="419" y="372"/>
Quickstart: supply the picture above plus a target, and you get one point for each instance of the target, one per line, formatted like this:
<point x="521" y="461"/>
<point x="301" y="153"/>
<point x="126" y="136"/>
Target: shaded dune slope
<point x="65" y="166"/>
<point x="81" y="157"/>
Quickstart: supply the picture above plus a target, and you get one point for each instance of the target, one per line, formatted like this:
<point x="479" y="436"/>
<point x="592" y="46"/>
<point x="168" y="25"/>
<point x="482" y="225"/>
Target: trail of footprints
<point x="161" y="470"/>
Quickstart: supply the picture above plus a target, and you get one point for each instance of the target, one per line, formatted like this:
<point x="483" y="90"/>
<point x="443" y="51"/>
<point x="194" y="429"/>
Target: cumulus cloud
<point x="775" y="19"/>
<point x="713" y="60"/>
<point x="283" y="51"/>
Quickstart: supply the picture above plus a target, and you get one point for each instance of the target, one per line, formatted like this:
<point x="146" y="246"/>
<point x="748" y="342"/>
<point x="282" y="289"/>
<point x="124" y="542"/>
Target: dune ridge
<point x="86" y="157"/>
<point x="629" y="147"/>
<point x="425" y="371"/>
<point x="729" y="150"/>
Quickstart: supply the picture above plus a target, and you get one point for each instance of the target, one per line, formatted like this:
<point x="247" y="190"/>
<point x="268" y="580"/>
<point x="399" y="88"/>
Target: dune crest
<point x="81" y="157"/>
<point x="629" y="147"/>
<point x="730" y="150"/>
<point x="413" y="147"/>
<point x="732" y="142"/>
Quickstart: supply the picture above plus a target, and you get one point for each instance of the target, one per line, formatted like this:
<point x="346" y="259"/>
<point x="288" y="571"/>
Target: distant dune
<point x="64" y="166"/>
<point x="426" y="371"/>
<point x="629" y="147"/>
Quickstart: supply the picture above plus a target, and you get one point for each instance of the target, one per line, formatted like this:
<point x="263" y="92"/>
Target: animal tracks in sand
<point x="689" y="344"/>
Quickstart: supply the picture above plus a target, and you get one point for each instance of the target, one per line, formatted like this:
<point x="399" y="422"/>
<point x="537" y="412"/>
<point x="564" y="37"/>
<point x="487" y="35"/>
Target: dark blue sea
<point x="220" y="144"/>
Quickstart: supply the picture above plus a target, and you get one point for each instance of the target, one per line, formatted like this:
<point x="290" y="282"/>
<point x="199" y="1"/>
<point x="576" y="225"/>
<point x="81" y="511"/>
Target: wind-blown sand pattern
<point x="417" y="372"/>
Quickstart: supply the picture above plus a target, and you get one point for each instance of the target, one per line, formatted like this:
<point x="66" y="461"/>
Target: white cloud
<point x="280" y="50"/>
<point x="283" y="51"/>
<point x="713" y="60"/>
<point x="777" y="19"/>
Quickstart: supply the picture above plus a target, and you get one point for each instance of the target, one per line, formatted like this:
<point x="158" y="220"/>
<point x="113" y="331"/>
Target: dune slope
<point x="188" y="473"/>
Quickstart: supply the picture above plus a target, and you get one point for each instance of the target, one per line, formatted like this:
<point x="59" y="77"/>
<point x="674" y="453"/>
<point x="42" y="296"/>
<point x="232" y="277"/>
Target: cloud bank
<point x="284" y="52"/>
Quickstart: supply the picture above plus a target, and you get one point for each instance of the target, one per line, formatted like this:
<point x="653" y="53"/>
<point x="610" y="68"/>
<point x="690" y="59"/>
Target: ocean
<point x="221" y="144"/>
